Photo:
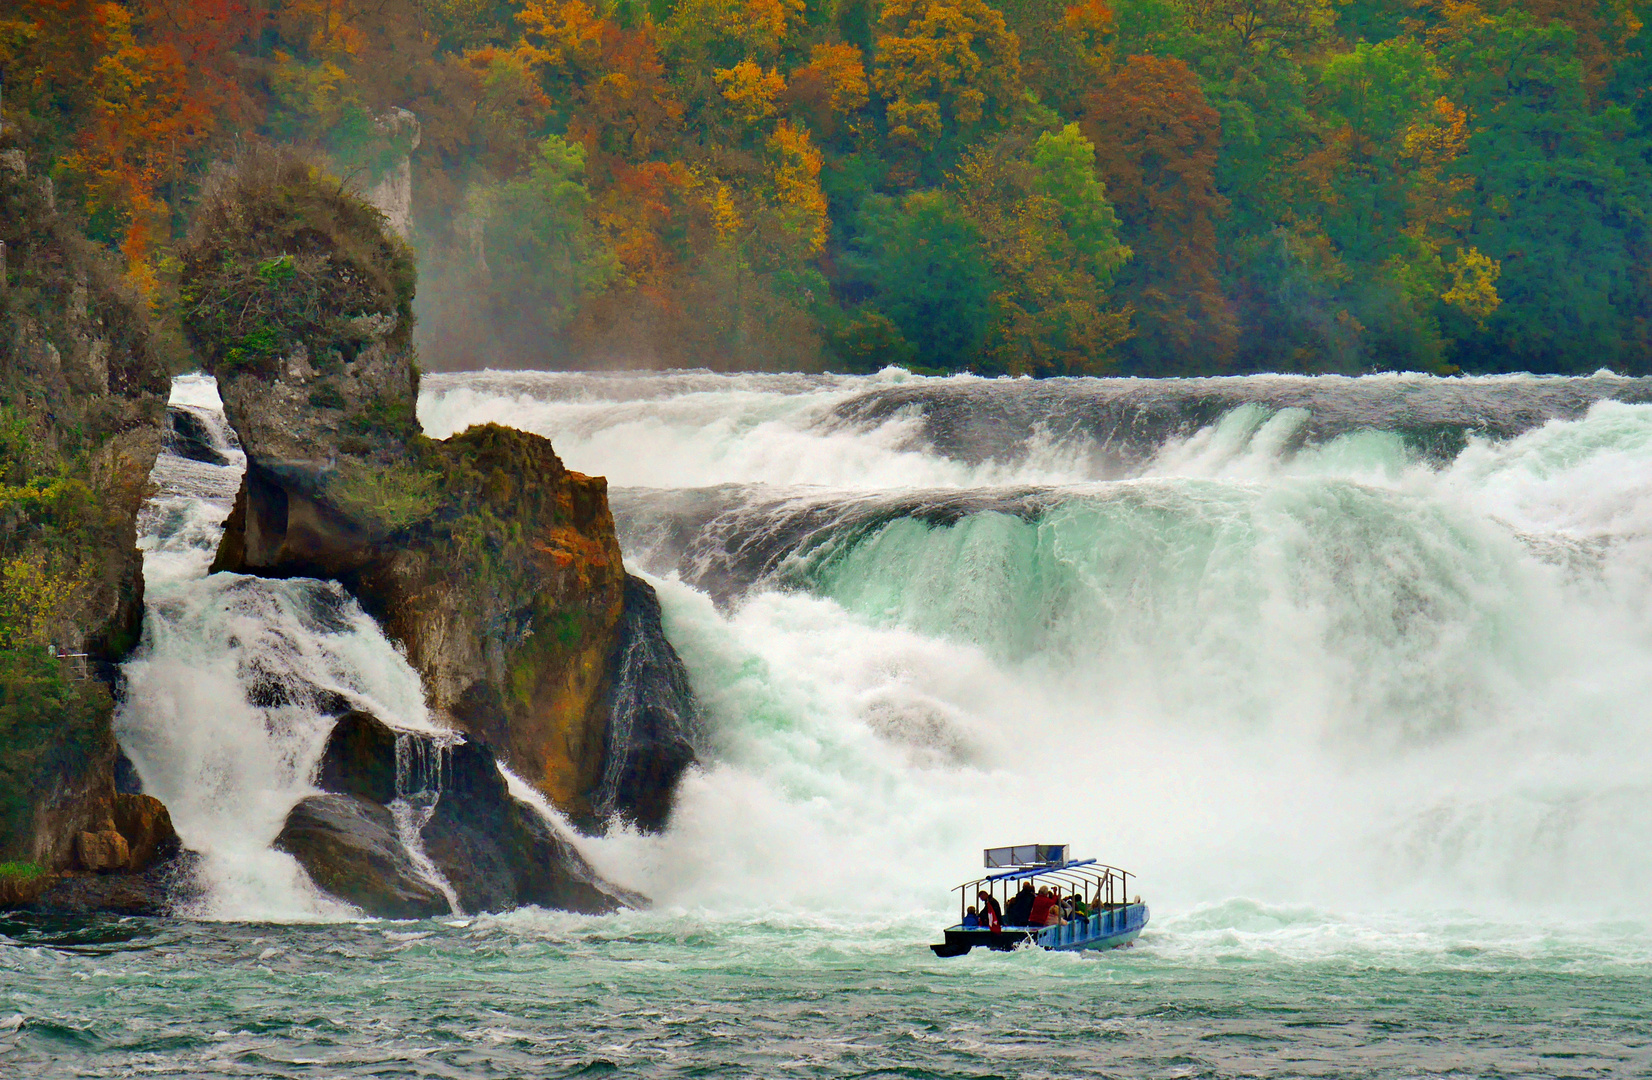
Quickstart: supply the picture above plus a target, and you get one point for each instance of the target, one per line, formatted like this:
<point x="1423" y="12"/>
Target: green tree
<point x="540" y="255"/>
<point x="921" y="259"/>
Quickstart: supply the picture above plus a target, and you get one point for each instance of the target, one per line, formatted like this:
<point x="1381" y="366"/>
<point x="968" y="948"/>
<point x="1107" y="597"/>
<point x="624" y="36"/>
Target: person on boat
<point x="1019" y="913"/>
<point x="991" y="914"/>
<point x="1042" y="902"/>
<point x="972" y="921"/>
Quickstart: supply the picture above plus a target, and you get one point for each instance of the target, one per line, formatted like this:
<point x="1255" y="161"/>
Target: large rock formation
<point x="493" y="565"/>
<point x="82" y="397"/>
<point x="350" y="848"/>
<point x="495" y="851"/>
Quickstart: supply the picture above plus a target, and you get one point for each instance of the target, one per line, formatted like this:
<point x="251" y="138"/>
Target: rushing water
<point x="1353" y="674"/>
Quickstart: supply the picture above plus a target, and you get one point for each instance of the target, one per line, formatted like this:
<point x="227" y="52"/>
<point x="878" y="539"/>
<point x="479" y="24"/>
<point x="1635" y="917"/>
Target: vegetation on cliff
<point x="1313" y="185"/>
<point x="82" y="389"/>
<point x="278" y="260"/>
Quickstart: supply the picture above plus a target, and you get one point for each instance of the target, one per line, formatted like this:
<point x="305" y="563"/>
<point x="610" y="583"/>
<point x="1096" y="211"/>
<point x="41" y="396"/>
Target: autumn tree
<point x="1050" y="239"/>
<point x="1157" y="140"/>
<point x="947" y="71"/>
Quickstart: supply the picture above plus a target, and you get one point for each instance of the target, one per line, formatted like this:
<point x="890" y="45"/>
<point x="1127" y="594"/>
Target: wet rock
<point x="127" y="781"/>
<point x="146" y="825"/>
<point x="498" y="853"/>
<point x="654" y="718"/>
<point x="102" y="851"/>
<point x="188" y="435"/>
<point x="349" y="847"/>
<point x="163" y="889"/>
<point x="360" y="759"/>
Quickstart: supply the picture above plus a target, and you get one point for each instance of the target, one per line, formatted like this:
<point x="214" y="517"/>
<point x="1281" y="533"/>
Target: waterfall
<point x="424" y="769"/>
<point x="1375" y="642"/>
<point x="1368" y="642"/>
<point x="232" y="692"/>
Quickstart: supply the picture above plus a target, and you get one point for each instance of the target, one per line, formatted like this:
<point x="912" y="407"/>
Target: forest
<point x="1142" y="187"/>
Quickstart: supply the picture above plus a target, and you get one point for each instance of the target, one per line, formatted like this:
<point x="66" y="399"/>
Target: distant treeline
<point x="1147" y="186"/>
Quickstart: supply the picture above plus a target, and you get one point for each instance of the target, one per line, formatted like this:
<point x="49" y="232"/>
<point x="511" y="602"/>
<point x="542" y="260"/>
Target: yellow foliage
<point x="756" y="28"/>
<point x="1438" y="198"/>
<point x="725" y="216"/>
<point x="797" y="183"/>
<point x="944" y="62"/>
<point x="564" y="36"/>
<point x="1474" y="285"/>
<point x="751" y="90"/>
<point x="32" y="594"/>
<point x="841" y="69"/>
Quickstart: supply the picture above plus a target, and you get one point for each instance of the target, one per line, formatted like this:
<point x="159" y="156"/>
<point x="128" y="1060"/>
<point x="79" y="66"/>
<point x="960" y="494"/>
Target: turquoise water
<point x="1237" y="990"/>
<point x="1351" y="674"/>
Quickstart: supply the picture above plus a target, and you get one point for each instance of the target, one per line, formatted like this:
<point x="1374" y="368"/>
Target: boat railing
<point x="1104" y="889"/>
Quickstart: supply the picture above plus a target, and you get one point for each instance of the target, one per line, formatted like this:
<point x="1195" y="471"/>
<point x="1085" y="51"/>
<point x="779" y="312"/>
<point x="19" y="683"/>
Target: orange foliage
<point x="797" y="184"/>
<point x="1157" y="140"/>
<point x="839" y="68"/>
<point x="635" y="212"/>
<point x="614" y="77"/>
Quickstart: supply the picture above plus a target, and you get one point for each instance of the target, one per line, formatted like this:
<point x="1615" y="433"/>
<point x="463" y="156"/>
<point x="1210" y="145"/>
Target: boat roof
<point x="1035" y="871"/>
<point x="1069" y="870"/>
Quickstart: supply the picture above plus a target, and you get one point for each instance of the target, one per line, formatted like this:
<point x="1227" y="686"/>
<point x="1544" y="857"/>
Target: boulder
<point x="499" y="853"/>
<point x="162" y="889"/>
<point x="146" y="825"/>
<point x="360" y="759"/>
<point x="495" y="851"/>
<point x="102" y="851"/>
<point x="189" y="435"/>
<point x="654" y="719"/>
<point x="350" y="848"/>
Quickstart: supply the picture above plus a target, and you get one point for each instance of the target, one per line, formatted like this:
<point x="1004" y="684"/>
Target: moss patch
<point x="14" y="872"/>
<point x="281" y="256"/>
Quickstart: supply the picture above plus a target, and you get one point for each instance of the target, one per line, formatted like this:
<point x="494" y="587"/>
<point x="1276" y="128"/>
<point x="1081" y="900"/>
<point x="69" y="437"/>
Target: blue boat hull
<point x="1107" y="929"/>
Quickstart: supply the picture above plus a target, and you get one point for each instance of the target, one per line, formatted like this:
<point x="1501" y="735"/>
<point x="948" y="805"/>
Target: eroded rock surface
<point x="494" y="850"/>
<point x="654" y="718"/>
<point x="349" y="847"/>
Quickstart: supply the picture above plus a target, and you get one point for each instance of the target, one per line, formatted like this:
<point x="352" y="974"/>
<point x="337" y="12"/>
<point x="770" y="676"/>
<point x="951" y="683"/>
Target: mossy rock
<point x="280" y="256"/>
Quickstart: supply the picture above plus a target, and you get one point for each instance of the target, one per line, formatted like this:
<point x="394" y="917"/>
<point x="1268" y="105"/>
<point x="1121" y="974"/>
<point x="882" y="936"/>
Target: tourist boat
<point x="1113" y="918"/>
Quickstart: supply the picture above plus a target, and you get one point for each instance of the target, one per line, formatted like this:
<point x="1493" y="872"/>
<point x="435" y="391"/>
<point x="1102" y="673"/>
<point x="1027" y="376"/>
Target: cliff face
<point x="493" y="565"/>
<point x="82" y="399"/>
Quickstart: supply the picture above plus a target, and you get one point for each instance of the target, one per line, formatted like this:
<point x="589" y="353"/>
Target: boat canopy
<point x="1100" y="885"/>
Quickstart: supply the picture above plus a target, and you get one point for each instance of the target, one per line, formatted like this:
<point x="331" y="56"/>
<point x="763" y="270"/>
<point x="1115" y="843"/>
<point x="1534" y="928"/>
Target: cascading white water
<point x="1269" y="643"/>
<point x="1261" y="657"/>
<point x="231" y="695"/>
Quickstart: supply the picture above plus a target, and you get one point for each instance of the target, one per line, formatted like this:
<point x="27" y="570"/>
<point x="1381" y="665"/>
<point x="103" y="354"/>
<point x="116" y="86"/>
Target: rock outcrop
<point x="82" y="399"/>
<point x="496" y="567"/>
<point x="350" y="848"/>
<point x="495" y="851"/>
<point x="654" y="719"/>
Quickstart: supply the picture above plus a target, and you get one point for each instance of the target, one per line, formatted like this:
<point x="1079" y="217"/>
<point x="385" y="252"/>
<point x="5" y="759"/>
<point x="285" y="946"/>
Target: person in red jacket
<point x="1041" y="907"/>
<point x="992" y="916"/>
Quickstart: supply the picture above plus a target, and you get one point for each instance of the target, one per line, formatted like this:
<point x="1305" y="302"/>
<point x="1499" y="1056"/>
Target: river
<point x="1351" y="674"/>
